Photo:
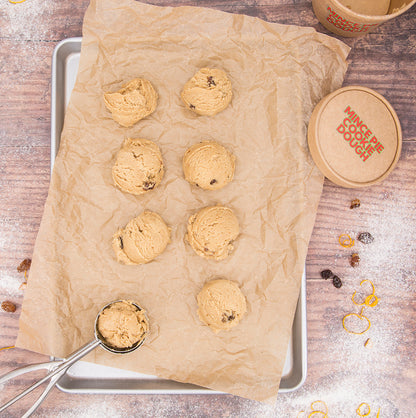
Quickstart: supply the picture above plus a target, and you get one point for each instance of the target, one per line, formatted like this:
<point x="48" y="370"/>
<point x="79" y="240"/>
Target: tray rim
<point x="300" y="318"/>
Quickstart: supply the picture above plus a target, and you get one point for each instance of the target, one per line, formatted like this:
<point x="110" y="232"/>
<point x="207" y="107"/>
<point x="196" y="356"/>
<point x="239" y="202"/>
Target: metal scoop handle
<point x="58" y="367"/>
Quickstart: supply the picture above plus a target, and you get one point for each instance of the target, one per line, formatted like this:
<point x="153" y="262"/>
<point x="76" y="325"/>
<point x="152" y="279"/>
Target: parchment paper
<point x="278" y="74"/>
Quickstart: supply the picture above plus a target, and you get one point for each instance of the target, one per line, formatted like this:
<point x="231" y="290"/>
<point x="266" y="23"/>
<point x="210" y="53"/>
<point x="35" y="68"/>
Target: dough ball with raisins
<point x="134" y="101"/>
<point x="212" y="232"/>
<point x="138" y="167"/>
<point x="221" y="304"/>
<point x="208" y="165"/>
<point x="208" y="92"/>
<point x="143" y="239"/>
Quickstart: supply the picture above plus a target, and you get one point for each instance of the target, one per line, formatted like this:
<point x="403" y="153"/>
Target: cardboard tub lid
<point x="355" y="137"/>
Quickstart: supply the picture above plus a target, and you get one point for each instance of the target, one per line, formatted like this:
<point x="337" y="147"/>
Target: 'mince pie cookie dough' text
<point x="359" y="136"/>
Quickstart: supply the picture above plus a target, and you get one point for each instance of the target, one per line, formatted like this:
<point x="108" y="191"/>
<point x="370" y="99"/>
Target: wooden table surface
<point x="341" y="371"/>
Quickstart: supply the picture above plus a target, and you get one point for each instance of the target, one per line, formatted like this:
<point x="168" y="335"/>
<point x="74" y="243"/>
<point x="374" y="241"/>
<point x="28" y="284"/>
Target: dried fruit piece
<point x="336" y="281"/>
<point x="213" y="181"/>
<point x="211" y="81"/>
<point x="327" y="274"/>
<point x="355" y="260"/>
<point x="355" y="203"/>
<point x="149" y="185"/>
<point x="24" y="265"/>
<point x="365" y="238"/>
<point x="8" y="306"/>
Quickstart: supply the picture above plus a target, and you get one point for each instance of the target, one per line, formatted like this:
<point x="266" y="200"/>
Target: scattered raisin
<point x="365" y="238"/>
<point x="8" y="306"/>
<point x="355" y="260"/>
<point x="211" y="81"/>
<point x="206" y="249"/>
<point x="327" y="274"/>
<point x="355" y="203"/>
<point x="121" y="243"/>
<point x="191" y="106"/>
<point x="149" y="185"/>
<point x="24" y="265"/>
<point x="336" y="281"/>
<point x="213" y="181"/>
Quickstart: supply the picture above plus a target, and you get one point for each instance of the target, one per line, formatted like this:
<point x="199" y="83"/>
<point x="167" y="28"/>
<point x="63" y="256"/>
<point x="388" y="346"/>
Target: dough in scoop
<point x="142" y="240"/>
<point x="134" y="101"/>
<point x="138" y="167"/>
<point x="212" y="231"/>
<point x="208" y="165"/>
<point x="208" y="92"/>
<point x="122" y="324"/>
<point x="221" y="304"/>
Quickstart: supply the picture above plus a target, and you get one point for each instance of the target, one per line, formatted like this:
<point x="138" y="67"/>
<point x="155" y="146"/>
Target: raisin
<point x="355" y="260"/>
<point x="355" y="203"/>
<point x="365" y="238"/>
<point x="8" y="306"/>
<point x="24" y="265"/>
<point x="121" y="243"/>
<point x="191" y="106"/>
<point x="228" y="318"/>
<point x="327" y="274"/>
<point x="336" y="281"/>
<point x="213" y="181"/>
<point x="148" y="185"/>
<point x="211" y="81"/>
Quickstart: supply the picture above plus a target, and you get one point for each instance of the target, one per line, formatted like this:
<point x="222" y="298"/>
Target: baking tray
<point x="84" y="377"/>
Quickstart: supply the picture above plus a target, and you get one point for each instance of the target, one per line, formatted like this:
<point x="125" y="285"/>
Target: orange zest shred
<point x="368" y="301"/>
<point x="16" y="2"/>
<point x="319" y="409"/>
<point x="323" y="414"/>
<point x="346" y="241"/>
<point x="378" y="413"/>
<point x="7" y="348"/>
<point x="361" y="316"/>
<point x="367" y="406"/>
<point x="371" y="301"/>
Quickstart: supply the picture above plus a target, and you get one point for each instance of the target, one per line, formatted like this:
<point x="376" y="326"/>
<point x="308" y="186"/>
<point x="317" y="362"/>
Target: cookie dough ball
<point x="142" y="240"/>
<point x="122" y="325"/>
<point x="134" y="101"/>
<point x="207" y="92"/>
<point x="221" y="304"/>
<point x="212" y="231"/>
<point x="208" y="165"/>
<point x="138" y="167"/>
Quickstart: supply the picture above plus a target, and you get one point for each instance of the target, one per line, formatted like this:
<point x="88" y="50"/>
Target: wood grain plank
<point x="340" y="370"/>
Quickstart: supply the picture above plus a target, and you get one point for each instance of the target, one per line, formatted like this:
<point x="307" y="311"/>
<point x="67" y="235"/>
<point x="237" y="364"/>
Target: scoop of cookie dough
<point x="122" y="324"/>
<point x="221" y="304"/>
<point x="212" y="231"/>
<point x="138" y="167"/>
<point x="142" y="240"/>
<point x="134" y="101"/>
<point x="208" y="165"/>
<point x="208" y="92"/>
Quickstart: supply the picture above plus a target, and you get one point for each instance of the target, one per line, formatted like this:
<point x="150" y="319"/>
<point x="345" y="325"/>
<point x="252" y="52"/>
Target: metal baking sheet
<point x="84" y="377"/>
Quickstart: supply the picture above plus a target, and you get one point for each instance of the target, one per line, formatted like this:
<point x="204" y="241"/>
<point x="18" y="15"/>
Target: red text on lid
<point x="358" y="135"/>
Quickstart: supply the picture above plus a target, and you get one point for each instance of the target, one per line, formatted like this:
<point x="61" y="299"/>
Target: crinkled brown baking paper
<point x="278" y="74"/>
